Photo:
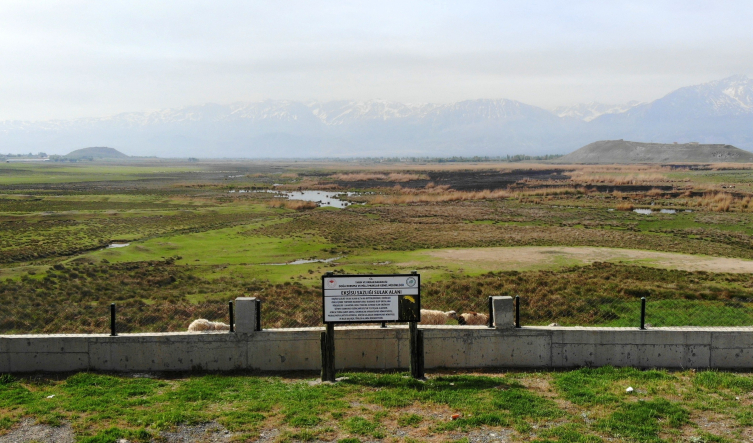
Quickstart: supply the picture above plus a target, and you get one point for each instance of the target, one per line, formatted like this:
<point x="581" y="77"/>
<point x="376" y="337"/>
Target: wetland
<point x="169" y="240"/>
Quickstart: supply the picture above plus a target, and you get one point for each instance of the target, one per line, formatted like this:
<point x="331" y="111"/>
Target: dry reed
<point x="720" y="201"/>
<point x="298" y="205"/>
<point x="434" y="197"/>
<point x="395" y="177"/>
<point x="560" y="190"/>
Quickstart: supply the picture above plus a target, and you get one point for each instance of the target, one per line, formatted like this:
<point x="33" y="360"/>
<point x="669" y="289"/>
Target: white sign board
<point x="370" y="298"/>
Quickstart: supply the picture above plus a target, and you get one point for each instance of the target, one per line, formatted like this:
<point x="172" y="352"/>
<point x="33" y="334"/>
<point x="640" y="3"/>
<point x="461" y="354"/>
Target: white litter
<point x="50" y="396"/>
<point x="629" y="389"/>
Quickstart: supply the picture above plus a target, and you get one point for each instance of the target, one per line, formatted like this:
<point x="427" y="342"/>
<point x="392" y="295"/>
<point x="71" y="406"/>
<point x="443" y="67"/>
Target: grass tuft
<point x="716" y="380"/>
<point x="640" y="420"/>
<point x="406" y="420"/>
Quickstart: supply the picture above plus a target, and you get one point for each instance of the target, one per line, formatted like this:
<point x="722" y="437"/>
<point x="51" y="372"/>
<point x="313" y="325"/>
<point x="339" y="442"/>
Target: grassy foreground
<point x="585" y="405"/>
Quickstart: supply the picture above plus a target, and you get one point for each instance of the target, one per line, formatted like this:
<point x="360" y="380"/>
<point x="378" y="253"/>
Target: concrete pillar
<point x="504" y="312"/>
<point x="245" y="315"/>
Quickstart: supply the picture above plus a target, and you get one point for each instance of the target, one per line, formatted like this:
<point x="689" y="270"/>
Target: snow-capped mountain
<point x="589" y="111"/>
<point x="715" y="112"/>
<point x="731" y="96"/>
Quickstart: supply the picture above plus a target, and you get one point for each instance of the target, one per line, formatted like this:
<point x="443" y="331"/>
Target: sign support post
<point x="416" y="347"/>
<point x="328" y="353"/>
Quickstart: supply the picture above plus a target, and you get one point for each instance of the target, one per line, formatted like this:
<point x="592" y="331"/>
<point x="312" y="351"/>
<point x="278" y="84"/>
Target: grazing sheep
<point x="553" y="324"/>
<point x="473" y="318"/>
<point x="431" y="317"/>
<point x="203" y="324"/>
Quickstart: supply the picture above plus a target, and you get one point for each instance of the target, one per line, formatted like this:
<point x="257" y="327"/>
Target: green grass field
<point x="29" y="174"/>
<point x="586" y="405"/>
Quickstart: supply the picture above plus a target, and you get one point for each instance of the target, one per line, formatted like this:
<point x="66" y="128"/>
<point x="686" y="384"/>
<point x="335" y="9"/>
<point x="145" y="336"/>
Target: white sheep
<point x="473" y="318"/>
<point x="431" y="317"/>
<point x="203" y="324"/>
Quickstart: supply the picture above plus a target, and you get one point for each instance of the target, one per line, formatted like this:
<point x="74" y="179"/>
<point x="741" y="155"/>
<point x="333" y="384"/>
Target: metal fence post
<point x="643" y="312"/>
<point x="113" y="332"/>
<point x="491" y="313"/>
<point x="517" y="311"/>
<point x="258" y="315"/>
<point x="232" y="316"/>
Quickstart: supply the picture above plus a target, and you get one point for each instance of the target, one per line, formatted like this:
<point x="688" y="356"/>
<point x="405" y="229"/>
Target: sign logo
<point x="410" y="281"/>
<point x="331" y="283"/>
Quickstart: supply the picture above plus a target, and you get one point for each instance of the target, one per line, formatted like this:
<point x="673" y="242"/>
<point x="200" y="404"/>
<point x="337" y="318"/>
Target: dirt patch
<point x="517" y="258"/>
<point x="707" y="422"/>
<point x="205" y="433"/>
<point x="27" y="431"/>
<point x="543" y="388"/>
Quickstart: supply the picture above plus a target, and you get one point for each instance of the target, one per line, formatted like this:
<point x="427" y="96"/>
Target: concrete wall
<point x="375" y="348"/>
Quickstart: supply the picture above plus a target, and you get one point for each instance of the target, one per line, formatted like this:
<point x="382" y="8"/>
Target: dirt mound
<point x="622" y="151"/>
<point x="95" y="153"/>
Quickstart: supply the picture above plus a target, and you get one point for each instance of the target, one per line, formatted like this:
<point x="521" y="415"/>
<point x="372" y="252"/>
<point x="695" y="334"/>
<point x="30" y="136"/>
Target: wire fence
<point x="618" y="312"/>
<point x="301" y="307"/>
<point x="95" y="318"/>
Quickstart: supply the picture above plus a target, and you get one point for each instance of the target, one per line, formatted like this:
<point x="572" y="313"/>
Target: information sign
<point x="371" y="298"/>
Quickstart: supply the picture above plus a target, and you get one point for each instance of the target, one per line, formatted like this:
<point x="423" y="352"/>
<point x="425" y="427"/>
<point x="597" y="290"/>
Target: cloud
<point x="71" y="59"/>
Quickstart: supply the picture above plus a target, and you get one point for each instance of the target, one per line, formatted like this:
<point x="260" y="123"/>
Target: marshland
<point x="565" y="238"/>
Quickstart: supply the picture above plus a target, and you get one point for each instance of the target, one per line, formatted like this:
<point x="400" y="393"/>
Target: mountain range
<point x="718" y="112"/>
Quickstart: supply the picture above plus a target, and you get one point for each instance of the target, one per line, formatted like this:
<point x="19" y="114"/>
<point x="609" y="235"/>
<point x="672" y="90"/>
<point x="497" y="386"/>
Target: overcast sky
<point x="67" y="59"/>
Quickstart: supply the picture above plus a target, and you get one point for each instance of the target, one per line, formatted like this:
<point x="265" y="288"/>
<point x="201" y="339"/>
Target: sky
<point x="72" y="59"/>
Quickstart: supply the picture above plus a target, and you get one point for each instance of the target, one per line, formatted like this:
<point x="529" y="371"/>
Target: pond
<point x="660" y="211"/>
<point x="304" y="261"/>
<point x="322" y="198"/>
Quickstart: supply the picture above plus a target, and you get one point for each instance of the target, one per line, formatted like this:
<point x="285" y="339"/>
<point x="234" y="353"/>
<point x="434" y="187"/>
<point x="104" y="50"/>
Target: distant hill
<point x="95" y="153"/>
<point x="621" y="151"/>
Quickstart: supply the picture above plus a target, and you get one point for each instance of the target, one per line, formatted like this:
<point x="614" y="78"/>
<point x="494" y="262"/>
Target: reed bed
<point x="298" y="205"/>
<point x="543" y="192"/>
<point x="618" y="179"/>
<point x="438" y="194"/>
<point x="395" y="177"/>
<point x="308" y="184"/>
<point x="717" y="201"/>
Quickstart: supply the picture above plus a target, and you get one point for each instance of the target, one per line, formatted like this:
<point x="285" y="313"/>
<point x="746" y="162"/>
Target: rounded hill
<point x="622" y="151"/>
<point x="96" y="153"/>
